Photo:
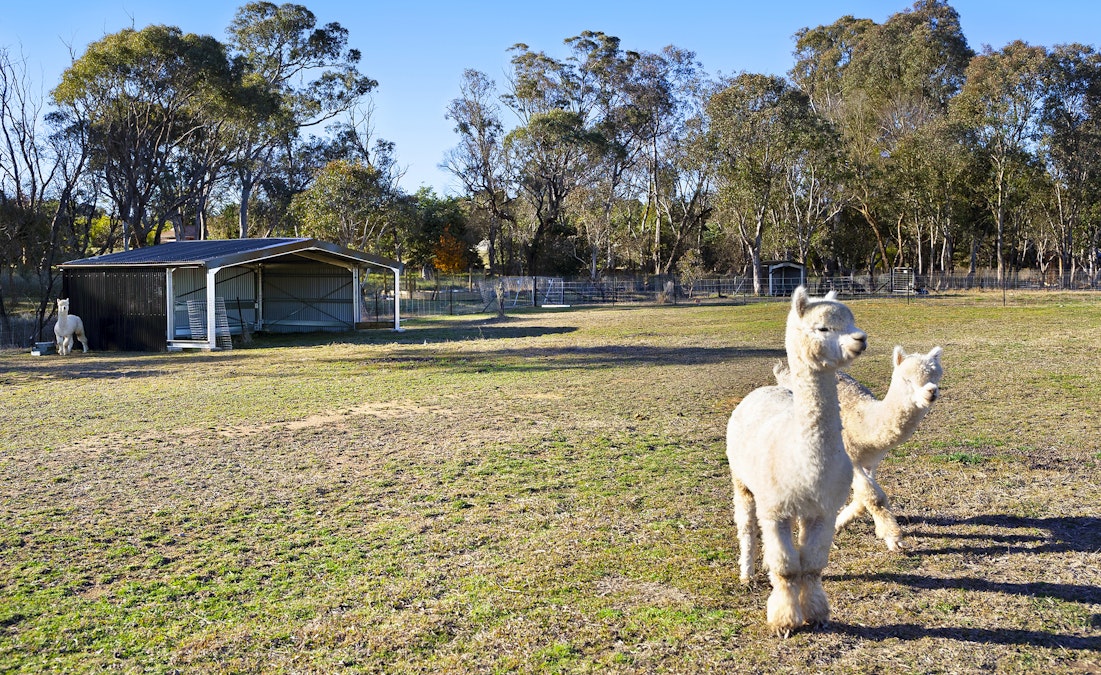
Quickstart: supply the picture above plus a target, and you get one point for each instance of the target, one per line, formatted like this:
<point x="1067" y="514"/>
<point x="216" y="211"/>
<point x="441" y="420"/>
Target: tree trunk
<point x="246" y="194"/>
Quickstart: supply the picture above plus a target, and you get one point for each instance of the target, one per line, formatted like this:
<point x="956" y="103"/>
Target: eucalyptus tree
<point x="669" y="95"/>
<point x="552" y="150"/>
<point x="880" y="83"/>
<point x="309" y="70"/>
<point x="37" y="178"/>
<point x="606" y="76"/>
<point x="145" y="95"/>
<point x="27" y="171"/>
<point x="344" y="204"/>
<point x="1000" y="105"/>
<point x="821" y="56"/>
<point x="936" y="176"/>
<point x="1071" y="150"/>
<point x="759" y="124"/>
<point x="812" y="186"/>
<point x="479" y="161"/>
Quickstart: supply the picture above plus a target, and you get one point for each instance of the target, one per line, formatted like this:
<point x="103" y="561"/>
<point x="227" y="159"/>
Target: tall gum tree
<point x="1071" y="150"/>
<point x="1000" y="104"/>
<point x="479" y="161"/>
<point x="758" y="125"/>
<point x="309" y="69"/>
<point x="144" y="94"/>
<point x="879" y="83"/>
<point x="551" y="152"/>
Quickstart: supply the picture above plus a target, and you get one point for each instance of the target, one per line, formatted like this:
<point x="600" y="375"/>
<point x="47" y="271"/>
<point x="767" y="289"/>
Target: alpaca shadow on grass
<point x="1040" y="535"/>
<point x="1033" y="535"/>
<point x="1024" y="638"/>
<point x="1016" y="534"/>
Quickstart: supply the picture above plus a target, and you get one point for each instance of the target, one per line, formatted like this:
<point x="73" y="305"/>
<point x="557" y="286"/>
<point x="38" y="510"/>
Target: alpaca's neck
<point x="818" y="416"/>
<point x="62" y="314"/>
<point x="897" y="410"/>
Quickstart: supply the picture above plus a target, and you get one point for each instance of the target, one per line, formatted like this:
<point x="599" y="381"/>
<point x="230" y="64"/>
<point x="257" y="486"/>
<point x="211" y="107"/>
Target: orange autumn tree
<point x="451" y="254"/>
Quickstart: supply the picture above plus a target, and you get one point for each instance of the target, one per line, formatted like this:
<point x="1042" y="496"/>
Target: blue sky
<point x="418" y="50"/>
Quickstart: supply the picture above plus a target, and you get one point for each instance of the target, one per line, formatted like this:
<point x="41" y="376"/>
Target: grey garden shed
<point x="155" y="298"/>
<point x="784" y="276"/>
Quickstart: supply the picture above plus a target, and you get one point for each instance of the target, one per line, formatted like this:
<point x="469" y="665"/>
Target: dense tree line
<point x="892" y="144"/>
<point x="885" y="145"/>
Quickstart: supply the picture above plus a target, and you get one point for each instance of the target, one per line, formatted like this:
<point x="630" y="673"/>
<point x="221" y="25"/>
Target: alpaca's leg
<point x="886" y="527"/>
<point x="856" y="506"/>
<point x="817" y="538"/>
<point x="784" y="611"/>
<point x="83" y="340"/>
<point x="745" y="517"/>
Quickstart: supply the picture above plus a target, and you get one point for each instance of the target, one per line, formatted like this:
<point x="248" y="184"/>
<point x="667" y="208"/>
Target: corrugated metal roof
<point x="225" y="252"/>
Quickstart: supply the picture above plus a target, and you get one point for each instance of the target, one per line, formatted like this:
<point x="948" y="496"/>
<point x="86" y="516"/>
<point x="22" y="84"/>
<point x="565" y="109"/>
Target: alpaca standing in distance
<point x="788" y="463"/>
<point x="873" y="427"/>
<point x="67" y="327"/>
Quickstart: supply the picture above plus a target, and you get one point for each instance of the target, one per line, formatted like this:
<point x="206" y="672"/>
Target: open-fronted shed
<point x="156" y="298"/>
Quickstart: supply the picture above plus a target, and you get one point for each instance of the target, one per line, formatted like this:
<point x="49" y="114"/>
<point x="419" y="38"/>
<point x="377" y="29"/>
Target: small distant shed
<point x="784" y="276"/>
<point x="155" y="298"/>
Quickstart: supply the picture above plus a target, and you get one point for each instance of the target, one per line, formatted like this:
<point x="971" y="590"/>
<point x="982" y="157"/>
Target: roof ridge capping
<point x="217" y="253"/>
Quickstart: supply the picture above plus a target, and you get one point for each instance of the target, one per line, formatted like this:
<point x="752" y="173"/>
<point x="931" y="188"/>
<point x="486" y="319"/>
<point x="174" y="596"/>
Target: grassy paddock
<point x="545" y="494"/>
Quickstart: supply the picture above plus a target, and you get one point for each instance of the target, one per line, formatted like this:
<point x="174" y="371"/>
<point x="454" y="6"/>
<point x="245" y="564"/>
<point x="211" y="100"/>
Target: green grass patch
<point x="544" y="494"/>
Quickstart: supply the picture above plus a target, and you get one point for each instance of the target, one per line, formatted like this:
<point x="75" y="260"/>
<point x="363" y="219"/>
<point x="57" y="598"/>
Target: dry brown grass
<point x="544" y="494"/>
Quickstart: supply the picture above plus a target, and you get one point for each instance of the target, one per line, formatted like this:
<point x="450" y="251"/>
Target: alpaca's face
<point x="921" y="374"/>
<point x="62" y="305"/>
<point x="823" y="333"/>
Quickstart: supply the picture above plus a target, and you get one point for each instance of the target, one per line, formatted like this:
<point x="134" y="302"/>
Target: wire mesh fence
<point x="478" y="295"/>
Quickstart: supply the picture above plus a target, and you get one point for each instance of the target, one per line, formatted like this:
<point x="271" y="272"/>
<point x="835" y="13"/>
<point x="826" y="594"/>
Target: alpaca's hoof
<point x="784" y="616"/>
<point x="816" y="608"/>
<point x="780" y="631"/>
<point x="894" y="544"/>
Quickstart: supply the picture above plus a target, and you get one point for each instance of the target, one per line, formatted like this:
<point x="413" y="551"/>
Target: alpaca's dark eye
<point x="823" y="329"/>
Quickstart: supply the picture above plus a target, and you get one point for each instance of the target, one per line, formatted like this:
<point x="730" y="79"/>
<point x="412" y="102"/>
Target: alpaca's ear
<point x="832" y="295"/>
<point x="899" y="355"/>
<point x="935" y="353"/>
<point x="799" y="301"/>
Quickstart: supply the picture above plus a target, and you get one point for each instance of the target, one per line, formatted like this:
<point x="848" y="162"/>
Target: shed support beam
<point x="170" y="293"/>
<point x="211" y="301"/>
<point x="397" y="299"/>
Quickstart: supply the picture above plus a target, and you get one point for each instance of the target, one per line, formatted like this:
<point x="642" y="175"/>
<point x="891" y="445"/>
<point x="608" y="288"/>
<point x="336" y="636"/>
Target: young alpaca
<point x="789" y="466"/>
<point x="873" y="427"/>
<point x="68" y="326"/>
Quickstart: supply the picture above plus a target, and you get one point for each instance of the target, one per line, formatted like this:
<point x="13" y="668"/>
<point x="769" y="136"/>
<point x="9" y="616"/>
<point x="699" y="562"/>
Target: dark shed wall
<point x="122" y="309"/>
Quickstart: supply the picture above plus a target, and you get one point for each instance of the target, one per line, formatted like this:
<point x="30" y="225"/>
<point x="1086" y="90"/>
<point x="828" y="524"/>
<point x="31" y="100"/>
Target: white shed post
<point x="211" y="324"/>
<point x="397" y="299"/>
<point x="357" y="297"/>
<point x="170" y="292"/>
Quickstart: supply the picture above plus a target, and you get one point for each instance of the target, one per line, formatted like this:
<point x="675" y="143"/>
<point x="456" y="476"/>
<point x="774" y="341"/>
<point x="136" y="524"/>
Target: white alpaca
<point x="873" y="427"/>
<point x="67" y="327"/>
<point x="791" y="474"/>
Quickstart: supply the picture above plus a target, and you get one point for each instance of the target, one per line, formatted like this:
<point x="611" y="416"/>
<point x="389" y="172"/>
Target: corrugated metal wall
<point x="122" y="309"/>
<point x="307" y="296"/>
<point x="236" y="285"/>
<point x="126" y="308"/>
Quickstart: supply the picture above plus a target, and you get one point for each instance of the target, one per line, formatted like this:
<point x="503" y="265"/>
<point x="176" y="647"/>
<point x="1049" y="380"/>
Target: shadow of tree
<point x="530" y="359"/>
